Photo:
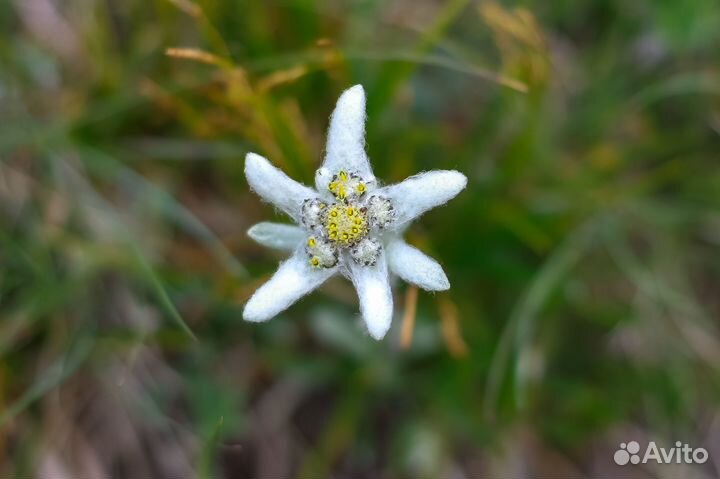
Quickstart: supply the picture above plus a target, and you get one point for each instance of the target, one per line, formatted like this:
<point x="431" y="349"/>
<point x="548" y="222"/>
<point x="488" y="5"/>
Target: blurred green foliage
<point x="583" y="254"/>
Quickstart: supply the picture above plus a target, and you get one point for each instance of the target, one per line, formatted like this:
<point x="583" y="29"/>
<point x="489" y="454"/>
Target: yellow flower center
<point x="345" y="225"/>
<point x="346" y="186"/>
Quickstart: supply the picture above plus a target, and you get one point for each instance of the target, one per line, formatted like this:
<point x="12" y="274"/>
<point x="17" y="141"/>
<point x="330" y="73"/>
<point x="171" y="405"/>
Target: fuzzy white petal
<point x="417" y="194"/>
<point x="415" y="267"/>
<point x="373" y="288"/>
<point x="276" y="187"/>
<point x="277" y="235"/>
<point x="345" y="148"/>
<point x="294" y="279"/>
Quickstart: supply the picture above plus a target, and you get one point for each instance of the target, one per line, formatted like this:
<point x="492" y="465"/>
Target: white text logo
<point x="680" y="454"/>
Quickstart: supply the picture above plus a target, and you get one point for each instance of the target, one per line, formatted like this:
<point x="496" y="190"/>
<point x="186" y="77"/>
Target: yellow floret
<point x="345" y="224"/>
<point x="345" y="185"/>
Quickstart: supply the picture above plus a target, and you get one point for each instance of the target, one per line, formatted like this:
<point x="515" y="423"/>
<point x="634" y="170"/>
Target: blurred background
<point x="584" y="255"/>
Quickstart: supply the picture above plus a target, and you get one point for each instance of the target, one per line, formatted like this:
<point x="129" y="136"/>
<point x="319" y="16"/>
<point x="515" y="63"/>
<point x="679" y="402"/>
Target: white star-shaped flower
<point x="349" y="225"/>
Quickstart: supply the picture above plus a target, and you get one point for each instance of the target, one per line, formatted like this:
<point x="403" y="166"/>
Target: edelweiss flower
<point x="350" y="225"/>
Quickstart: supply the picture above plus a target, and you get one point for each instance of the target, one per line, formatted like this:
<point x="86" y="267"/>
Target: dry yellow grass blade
<point x="198" y="56"/>
<point x="519" y="24"/>
<point x="520" y="40"/>
<point x="451" y="326"/>
<point x="408" y="324"/>
<point x="282" y="77"/>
